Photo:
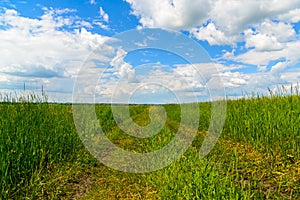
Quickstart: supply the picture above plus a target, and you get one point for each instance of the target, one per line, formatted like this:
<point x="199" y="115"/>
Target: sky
<point x="148" y="51"/>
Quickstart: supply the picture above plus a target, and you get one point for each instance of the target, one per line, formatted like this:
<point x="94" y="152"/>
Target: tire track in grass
<point x="111" y="184"/>
<point x="119" y="185"/>
<point x="107" y="183"/>
<point x="246" y="173"/>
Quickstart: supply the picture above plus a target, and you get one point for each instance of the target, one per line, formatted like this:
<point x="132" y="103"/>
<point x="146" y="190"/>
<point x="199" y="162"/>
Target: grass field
<point x="256" y="157"/>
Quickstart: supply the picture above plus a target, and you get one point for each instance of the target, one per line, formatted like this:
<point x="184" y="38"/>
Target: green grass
<point x="256" y="157"/>
<point x="34" y="138"/>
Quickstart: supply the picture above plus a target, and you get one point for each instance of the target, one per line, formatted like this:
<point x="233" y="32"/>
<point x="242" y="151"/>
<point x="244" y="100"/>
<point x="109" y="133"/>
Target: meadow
<point x="256" y="157"/>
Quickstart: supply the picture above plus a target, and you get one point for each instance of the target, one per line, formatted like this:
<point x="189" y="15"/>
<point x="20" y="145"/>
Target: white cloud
<point x="63" y="11"/>
<point x="228" y="55"/>
<point x="239" y="84"/>
<point x="176" y="14"/>
<point x="121" y="68"/>
<point x="292" y="16"/>
<point x="291" y="76"/>
<point x="159" y="83"/>
<point x="234" y="79"/>
<point x="226" y="19"/>
<point x="269" y="36"/>
<point x="83" y="23"/>
<point x="212" y="35"/>
<point x="204" y="71"/>
<point x="283" y="32"/>
<point x="262" y="68"/>
<point x="234" y="16"/>
<point x="103" y="15"/>
<point x="101" y="25"/>
<point x="262" y="42"/>
<point x="92" y="2"/>
<point x="279" y="67"/>
<point x="289" y="53"/>
<point x="45" y="51"/>
<point x="38" y="49"/>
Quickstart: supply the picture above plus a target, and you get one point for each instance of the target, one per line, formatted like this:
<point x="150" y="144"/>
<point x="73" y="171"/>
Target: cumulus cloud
<point x="121" y="68"/>
<point x="176" y="14"/>
<point x="226" y="19"/>
<point x="234" y="16"/>
<point x="262" y="42"/>
<point x="289" y="53"/>
<point x="283" y="32"/>
<point x="269" y="36"/>
<point x="189" y="81"/>
<point x="161" y="83"/>
<point x="155" y="83"/>
<point x="211" y="34"/>
<point x="40" y="49"/>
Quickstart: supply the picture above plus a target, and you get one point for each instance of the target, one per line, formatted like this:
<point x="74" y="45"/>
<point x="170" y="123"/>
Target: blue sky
<point x="252" y="45"/>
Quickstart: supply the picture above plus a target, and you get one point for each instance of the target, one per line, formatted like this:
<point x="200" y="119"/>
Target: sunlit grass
<point x="256" y="157"/>
<point x="34" y="135"/>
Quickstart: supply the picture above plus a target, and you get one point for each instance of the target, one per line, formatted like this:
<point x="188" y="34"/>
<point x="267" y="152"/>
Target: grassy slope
<point x="256" y="158"/>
